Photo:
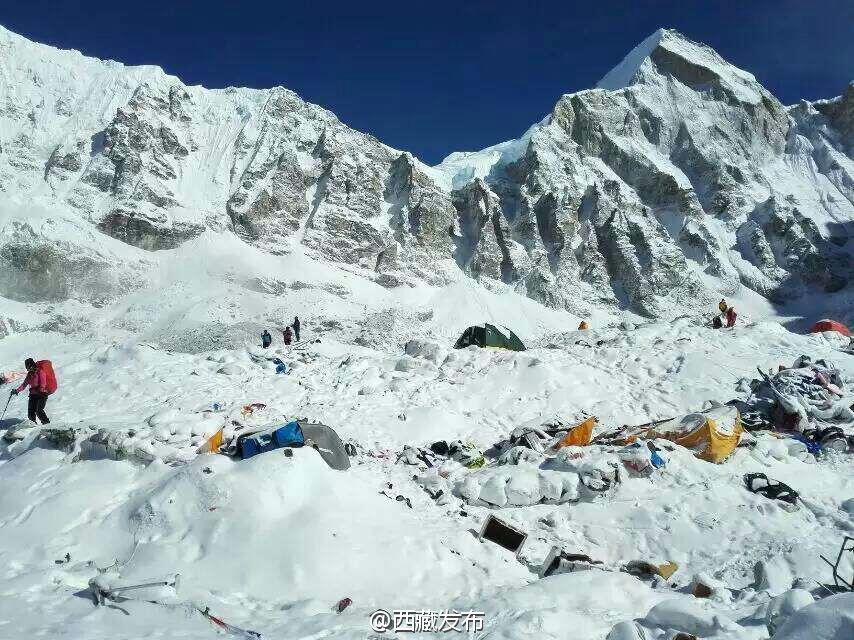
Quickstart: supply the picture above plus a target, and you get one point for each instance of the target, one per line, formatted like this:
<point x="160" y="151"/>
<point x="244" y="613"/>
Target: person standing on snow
<point x="722" y="305"/>
<point x="730" y="317"/>
<point x="266" y="339"/>
<point x="288" y="335"/>
<point x="42" y="383"/>
<point x="296" y="328"/>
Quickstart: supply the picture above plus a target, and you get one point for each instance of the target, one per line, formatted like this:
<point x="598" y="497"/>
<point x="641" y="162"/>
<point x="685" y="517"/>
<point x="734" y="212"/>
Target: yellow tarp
<point x="578" y="436"/>
<point x="713" y="435"/>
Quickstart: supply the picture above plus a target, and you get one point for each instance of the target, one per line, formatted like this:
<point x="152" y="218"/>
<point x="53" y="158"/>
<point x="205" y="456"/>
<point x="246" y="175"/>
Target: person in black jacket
<point x="296" y="328"/>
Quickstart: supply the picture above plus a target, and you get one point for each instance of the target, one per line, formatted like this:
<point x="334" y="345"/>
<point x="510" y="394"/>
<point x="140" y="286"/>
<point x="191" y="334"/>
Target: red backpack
<point x="49" y="375"/>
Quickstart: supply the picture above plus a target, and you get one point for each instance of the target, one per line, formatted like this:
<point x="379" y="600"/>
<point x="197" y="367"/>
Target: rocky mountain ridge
<point x="679" y="178"/>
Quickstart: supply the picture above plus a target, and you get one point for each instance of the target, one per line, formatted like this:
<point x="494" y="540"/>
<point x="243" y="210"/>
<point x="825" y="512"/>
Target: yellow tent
<point x="713" y="435"/>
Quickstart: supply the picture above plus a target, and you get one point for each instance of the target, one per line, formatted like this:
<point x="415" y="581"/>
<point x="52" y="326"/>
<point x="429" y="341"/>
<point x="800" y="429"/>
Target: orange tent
<point x="830" y="325"/>
<point x="578" y="436"/>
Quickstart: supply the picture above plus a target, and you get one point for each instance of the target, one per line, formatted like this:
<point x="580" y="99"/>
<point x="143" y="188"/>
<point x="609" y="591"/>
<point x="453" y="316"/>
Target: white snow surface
<point x="273" y="542"/>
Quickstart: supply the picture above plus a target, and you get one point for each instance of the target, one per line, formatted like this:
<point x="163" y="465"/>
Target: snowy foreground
<point x="272" y="543"/>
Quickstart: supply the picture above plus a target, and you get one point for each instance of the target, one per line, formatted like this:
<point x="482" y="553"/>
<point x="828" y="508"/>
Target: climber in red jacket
<point x="42" y="382"/>
<point x="730" y="317"/>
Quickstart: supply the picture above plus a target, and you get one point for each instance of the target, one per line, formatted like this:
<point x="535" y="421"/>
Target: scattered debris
<point x="839" y="582"/>
<point x="502" y="534"/>
<point x="760" y="484"/>
<point x="228" y="628"/>
<point x="557" y="561"/>
<point x="102" y="589"/>
<point x="643" y="569"/>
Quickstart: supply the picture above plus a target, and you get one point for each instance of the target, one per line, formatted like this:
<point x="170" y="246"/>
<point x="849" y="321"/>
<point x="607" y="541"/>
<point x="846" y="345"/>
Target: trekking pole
<point x="7" y="405"/>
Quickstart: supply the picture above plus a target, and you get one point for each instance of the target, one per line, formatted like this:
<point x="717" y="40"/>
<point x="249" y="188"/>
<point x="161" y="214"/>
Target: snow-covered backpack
<point x="50" y="385"/>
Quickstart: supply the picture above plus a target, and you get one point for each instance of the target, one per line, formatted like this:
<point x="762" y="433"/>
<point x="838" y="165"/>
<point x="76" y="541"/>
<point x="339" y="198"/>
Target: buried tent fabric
<point x="327" y="443"/>
<point x="579" y="435"/>
<point x="490" y="335"/>
<point x="288" y="435"/>
<point x="713" y="435"/>
<point x="830" y="325"/>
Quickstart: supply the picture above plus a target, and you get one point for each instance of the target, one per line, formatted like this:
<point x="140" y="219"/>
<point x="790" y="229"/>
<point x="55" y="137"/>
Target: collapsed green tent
<point x="489" y="335"/>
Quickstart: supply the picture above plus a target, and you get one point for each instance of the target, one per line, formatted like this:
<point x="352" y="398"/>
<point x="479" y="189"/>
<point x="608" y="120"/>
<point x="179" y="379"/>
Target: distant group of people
<point x="726" y="315"/>
<point x="289" y="333"/>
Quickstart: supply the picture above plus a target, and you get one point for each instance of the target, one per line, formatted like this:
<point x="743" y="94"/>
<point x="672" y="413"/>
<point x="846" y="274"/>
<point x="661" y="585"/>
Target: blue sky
<point x="443" y="76"/>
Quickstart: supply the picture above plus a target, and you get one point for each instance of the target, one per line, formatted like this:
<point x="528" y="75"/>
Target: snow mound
<point x="828" y="619"/>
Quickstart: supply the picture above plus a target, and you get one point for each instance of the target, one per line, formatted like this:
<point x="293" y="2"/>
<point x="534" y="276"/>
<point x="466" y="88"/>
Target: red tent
<point x="830" y="325"/>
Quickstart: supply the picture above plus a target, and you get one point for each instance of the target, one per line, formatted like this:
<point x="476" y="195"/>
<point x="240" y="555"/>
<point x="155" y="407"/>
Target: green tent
<point x="489" y="335"/>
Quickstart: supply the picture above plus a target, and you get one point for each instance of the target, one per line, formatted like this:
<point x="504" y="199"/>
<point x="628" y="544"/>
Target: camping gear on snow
<point x="327" y="443"/>
<point x="826" y="439"/>
<point x="641" y="459"/>
<point x="440" y="448"/>
<point x="490" y="335"/>
<point x="643" y="569"/>
<point x="713" y="435"/>
<point x="808" y="394"/>
<point x="583" y="326"/>
<point x="281" y="367"/>
<point x="502" y="534"/>
<point x="249" y="409"/>
<point x="466" y="454"/>
<point x="846" y="585"/>
<point x="229" y="628"/>
<point x="559" y="562"/>
<point x="810" y="444"/>
<point x="760" y="484"/>
<point x="578" y="436"/>
<point x="102" y="591"/>
<point x="289" y="435"/>
<point x="414" y="456"/>
<point x="213" y="443"/>
<point x="830" y="325"/>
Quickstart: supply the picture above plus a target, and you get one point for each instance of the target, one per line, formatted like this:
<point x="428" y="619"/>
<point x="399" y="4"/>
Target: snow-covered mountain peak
<point x="668" y="52"/>
<point x="625" y="73"/>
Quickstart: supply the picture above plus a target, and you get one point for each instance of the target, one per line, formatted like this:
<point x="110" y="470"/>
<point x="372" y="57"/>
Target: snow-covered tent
<point x="830" y="325"/>
<point x="490" y="335"/>
<point x="713" y="435"/>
